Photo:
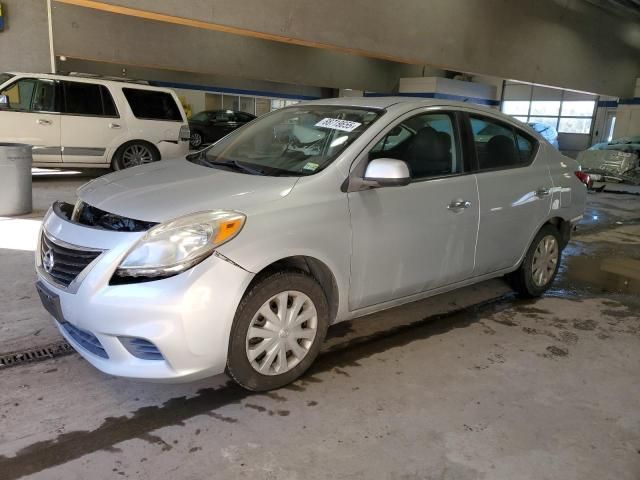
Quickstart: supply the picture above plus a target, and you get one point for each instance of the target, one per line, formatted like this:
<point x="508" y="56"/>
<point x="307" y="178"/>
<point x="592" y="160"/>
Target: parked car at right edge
<point x="90" y="121"/>
<point x="240" y="256"/>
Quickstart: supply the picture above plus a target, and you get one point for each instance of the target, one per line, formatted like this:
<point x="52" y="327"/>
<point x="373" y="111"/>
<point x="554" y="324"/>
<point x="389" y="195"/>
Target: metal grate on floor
<point x="14" y="359"/>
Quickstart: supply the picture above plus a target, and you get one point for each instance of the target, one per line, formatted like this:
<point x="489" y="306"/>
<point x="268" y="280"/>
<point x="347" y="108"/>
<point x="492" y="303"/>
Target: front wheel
<point x="540" y="265"/>
<point x="278" y="330"/>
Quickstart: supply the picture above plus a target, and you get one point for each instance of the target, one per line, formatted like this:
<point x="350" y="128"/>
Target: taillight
<point x="583" y="177"/>
<point x="185" y="133"/>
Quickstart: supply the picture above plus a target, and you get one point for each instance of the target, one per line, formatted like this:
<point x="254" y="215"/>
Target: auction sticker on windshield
<point x="337" y="124"/>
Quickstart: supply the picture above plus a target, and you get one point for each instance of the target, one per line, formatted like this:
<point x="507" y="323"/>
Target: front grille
<point x="64" y="263"/>
<point x="86" y="340"/>
<point x="141" y="348"/>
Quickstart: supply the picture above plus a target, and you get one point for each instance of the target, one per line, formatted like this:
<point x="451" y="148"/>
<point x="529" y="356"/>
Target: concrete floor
<point x="475" y="384"/>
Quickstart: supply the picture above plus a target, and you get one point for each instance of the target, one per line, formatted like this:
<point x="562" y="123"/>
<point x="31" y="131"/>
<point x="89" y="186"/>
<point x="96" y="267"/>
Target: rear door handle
<point x="114" y="125"/>
<point x="543" y="192"/>
<point x="44" y="121"/>
<point x="458" y="205"/>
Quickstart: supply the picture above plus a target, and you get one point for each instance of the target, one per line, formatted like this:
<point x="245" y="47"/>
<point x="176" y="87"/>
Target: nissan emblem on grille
<point x="48" y="262"/>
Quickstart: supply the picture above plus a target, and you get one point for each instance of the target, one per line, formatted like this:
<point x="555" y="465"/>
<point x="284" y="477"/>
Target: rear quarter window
<point x="152" y="105"/>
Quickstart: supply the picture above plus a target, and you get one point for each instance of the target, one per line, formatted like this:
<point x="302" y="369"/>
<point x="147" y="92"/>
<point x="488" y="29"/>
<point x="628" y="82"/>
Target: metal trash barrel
<point x="15" y="179"/>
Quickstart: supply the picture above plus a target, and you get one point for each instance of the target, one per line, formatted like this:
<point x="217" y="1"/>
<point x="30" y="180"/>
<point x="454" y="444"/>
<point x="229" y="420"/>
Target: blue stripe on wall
<point x="630" y="101"/>
<point x="442" y="96"/>
<point x="235" y="91"/>
<point x="607" y="104"/>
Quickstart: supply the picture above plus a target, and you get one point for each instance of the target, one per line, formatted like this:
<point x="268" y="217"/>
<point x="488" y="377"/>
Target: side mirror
<point x="4" y="101"/>
<point x="387" y="172"/>
<point x="381" y="172"/>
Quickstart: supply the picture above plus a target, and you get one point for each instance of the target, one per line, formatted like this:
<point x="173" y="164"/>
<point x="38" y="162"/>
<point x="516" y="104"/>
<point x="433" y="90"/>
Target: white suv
<point x="86" y="121"/>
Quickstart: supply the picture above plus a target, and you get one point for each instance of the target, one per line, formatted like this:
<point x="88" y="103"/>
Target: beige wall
<point x="24" y="43"/>
<point x="564" y="43"/>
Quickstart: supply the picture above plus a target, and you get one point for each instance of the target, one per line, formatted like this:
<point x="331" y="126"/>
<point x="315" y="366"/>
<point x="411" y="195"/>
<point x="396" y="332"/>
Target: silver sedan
<point x="238" y="257"/>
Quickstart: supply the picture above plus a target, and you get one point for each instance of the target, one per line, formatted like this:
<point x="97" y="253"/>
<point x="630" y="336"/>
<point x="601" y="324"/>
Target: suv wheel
<point x="278" y="330"/>
<point x="540" y="264"/>
<point x="132" y="154"/>
<point x="195" y="140"/>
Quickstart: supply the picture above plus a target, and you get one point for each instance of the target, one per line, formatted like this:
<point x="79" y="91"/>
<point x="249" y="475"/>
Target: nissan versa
<point x="240" y="256"/>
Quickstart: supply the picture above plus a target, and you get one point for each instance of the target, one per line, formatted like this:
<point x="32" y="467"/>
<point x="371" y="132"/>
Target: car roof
<point x="124" y="83"/>
<point x="407" y="103"/>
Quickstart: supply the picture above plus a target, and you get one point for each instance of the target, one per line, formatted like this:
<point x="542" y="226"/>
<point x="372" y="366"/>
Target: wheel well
<point x="314" y="267"/>
<point x="128" y="142"/>
<point x="564" y="227"/>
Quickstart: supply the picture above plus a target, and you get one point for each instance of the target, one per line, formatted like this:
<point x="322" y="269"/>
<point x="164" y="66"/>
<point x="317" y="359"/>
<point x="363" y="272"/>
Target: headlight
<point x="170" y="248"/>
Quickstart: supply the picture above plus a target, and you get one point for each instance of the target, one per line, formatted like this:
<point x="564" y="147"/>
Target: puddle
<point x="609" y="275"/>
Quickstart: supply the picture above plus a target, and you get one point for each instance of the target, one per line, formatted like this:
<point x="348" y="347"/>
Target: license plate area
<point x="50" y="301"/>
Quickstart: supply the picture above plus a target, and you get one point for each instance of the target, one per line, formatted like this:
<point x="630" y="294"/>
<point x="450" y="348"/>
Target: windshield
<point x="294" y="141"/>
<point x="4" y="77"/>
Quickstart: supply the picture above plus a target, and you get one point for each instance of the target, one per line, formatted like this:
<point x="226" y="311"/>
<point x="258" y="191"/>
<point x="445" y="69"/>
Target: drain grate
<point x="35" y="355"/>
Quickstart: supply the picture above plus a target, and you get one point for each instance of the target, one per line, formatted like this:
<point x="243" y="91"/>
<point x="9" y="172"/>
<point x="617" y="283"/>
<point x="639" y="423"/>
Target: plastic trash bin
<point x="15" y="179"/>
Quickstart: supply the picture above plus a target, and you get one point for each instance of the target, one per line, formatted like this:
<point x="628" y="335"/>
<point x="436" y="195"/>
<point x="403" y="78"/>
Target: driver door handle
<point x="458" y="205"/>
<point x="543" y="192"/>
<point x="44" y="121"/>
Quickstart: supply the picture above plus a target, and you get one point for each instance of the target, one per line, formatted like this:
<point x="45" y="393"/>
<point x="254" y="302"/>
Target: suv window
<point x="496" y="145"/>
<point x="152" y="105"/>
<point x="427" y="142"/>
<point x="83" y="99"/>
<point x="45" y="96"/>
<point x="20" y="94"/>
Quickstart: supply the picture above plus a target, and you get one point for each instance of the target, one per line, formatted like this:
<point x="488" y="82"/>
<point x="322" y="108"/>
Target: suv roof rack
<point x="104" y="77"/>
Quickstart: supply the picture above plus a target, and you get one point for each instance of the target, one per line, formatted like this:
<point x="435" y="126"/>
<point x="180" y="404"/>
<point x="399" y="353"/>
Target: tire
<point x="260" y="372"/>
<point x="539" y="267"/>
<point x="134" y="153"/>
<point x="196" y="139"/>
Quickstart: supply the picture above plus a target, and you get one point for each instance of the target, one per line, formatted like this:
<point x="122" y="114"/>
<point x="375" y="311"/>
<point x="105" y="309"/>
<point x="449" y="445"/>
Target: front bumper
<point x="188" y="317"/>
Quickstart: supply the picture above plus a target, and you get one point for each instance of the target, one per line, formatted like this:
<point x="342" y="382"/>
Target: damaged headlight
<point x="175" y="246"/>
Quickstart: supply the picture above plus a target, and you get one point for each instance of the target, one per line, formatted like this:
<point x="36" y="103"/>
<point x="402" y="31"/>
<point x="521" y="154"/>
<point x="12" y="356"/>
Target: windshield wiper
<point x="233" y="165"/>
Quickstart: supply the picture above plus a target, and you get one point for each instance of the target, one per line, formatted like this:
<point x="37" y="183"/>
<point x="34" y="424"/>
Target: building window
<point x="564" y="110"/>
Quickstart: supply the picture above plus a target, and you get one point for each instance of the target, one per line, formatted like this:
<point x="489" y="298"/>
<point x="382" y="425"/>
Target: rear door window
<point x="82" y="98"/>
<point x="152" y="105"/>
<point x="497" y="146"/>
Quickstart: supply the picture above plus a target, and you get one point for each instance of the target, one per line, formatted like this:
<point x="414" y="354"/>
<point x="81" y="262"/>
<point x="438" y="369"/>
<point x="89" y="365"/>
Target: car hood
<point x="165" y="190"/>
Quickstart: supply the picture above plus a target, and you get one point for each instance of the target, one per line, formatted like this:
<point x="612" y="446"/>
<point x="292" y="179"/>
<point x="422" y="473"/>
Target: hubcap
<point x="196" y="139"/>
<point x="136" y="155"/>
<point x="545" y="260"/>
<point x="281" y="333"/>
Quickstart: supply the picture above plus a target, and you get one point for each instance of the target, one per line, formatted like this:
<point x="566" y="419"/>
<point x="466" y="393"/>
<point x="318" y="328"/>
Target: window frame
<point x="359" y="165"/>
<point x="101" y="89"/>
<point x="559" y="116"/>
<point x="515" y="131"/>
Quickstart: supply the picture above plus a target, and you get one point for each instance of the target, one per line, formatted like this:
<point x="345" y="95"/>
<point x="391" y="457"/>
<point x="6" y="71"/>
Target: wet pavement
<point x="475" y="384"/>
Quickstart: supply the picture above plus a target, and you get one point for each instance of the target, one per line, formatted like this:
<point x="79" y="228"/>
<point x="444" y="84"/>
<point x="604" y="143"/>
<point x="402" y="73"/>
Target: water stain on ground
<point x="607" y="274"/>
<point x="585" y="325"/>
<point x="557" y="351"/>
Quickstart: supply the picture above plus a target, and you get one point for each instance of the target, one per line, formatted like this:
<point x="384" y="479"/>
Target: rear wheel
<point x="135" y="153"/>
<point x="540" y="264"/>
<point x="278" y="330"/>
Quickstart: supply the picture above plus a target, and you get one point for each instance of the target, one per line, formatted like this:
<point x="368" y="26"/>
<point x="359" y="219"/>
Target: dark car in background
<point x="210" y="126"/>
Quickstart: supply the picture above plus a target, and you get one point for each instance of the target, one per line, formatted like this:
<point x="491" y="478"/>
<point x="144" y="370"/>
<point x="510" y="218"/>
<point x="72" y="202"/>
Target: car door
<point x="32" y="117"/>
<point x="410" y="239"/>
<point x="90" y="122"/>
<point x="514" y="186"/>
